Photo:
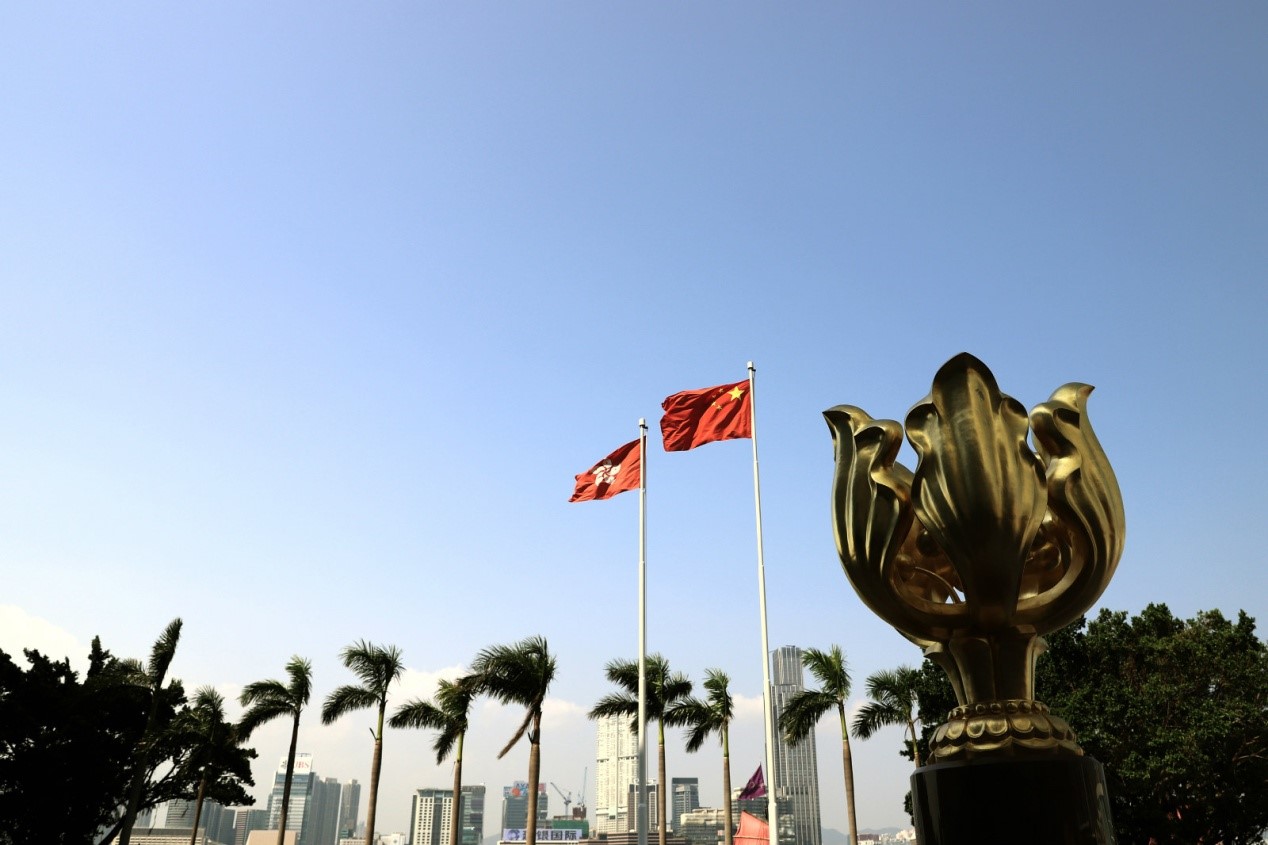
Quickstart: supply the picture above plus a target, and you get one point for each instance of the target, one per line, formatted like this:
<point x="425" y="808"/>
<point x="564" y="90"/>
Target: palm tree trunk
<point x="726" y="787"/>
<point x="915" y="748"/>
<point x="198" y="807"/>
<point x="286" y="783"/>
<point x="534" y="772"/>
<point x="375" y="765"/>
<point x="847" y="764"/>
<point x="455" y="824"/>
<point x="660" y="787"/>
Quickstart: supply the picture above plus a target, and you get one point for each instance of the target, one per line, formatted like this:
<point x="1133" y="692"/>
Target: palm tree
<point x="520" y="674"/>
<point x="377" y="667"/>
<point x="710" y="716"/>
<point x="265" y="701"/>
<point x="664" y="690"/>
<point x="894" y="702"/>
<point x="214" y="738"/>
<point x="150" y="677"/>
<point x="806" y="707"/>
<point x="448" y="715"/>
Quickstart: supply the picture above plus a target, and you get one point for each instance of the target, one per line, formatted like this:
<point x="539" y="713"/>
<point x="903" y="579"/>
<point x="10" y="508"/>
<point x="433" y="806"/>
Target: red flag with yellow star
<point x="617" y="473"/>
<point x="696" y="417"/>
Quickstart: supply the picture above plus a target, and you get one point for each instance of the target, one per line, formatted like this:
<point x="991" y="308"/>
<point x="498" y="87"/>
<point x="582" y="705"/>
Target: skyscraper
<point x="323" y="813"/>
<point x="430" y="816"/>
<point x="349" y="807"/>
<point x="301" y="793"/>
<point x="515" y="805"/>
<point x="796" y="766"/>
<point x="472" y="819"/>
<point x="246" y="821"/>
<point x="616" y="768"/>
<point x="685" y="797"/>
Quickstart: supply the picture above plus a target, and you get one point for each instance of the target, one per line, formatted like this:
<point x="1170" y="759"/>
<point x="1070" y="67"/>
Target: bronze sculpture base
<point x="1019" y="801"/>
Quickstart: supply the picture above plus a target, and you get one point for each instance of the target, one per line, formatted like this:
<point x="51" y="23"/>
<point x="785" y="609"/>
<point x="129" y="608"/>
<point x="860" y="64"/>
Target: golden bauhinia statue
<point x="987" y="546"/>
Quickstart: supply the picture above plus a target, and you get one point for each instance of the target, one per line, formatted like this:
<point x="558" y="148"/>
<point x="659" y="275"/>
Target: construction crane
<point x="567" y="799"/>
<point x="581" y="804"/>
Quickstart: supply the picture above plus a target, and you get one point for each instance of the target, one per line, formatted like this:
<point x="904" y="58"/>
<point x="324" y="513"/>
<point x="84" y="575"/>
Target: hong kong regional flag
<point x="614" y="474"/>
<point x="696" y="417"/>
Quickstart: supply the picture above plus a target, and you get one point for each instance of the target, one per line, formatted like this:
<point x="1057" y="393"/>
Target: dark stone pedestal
<point x="1054" y="801"/>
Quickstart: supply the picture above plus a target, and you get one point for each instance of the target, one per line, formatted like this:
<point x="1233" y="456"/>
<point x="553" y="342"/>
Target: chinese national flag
<point x="618" y="472"/>
<point x="696" y="417"/>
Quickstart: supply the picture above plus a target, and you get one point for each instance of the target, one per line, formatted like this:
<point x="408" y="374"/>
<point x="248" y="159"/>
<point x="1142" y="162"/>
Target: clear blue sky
<point x="309" y="313"/>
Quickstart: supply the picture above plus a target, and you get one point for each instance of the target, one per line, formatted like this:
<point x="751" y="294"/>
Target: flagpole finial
<point x="642" y="422"/>
<point x="751" y="368"/>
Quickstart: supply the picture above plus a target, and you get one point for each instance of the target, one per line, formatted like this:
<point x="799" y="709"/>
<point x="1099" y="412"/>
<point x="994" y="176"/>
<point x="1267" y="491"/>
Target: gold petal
<point x="978" y="489"/>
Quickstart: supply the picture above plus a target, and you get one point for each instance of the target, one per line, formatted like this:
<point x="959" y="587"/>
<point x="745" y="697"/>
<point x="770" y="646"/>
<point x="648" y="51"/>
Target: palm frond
<point x="376" y="666"/>
<point x="163" y="651"/>
<point x="261" y="691"/>
<point x="259" y="713"/>
<point x="830" y="669"/>
<point x="346" y="699"/>
<point x="519" y="732"/>
<point x="614" y="704"/>
<point x="446" y="740"/>
<point x="418" y="713"/>
<point x="872" y="717"/>
<point x="300" y="672"/>
<point x="519" y="673"/>
<point x="802" y="711"/>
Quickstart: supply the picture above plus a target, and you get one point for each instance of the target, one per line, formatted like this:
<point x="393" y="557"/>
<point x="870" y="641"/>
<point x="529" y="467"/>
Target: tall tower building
<point x="245" y="821"/>
<point x="472" y="819"/>
<point x="301" y="794"/>
<point x="616" y="768"/>
<point x="430" y="816"/>
<point x="685" y="798"/>
<point x="515" y="805"/>
<point x="323" y="813"/>
<point x="349" y="807"/>
<point x="796" y="766"/>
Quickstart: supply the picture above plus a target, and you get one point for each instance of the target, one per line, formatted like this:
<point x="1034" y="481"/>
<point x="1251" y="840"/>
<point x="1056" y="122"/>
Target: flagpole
<point x="772" y="804"/>
<point x="642" y="635"/>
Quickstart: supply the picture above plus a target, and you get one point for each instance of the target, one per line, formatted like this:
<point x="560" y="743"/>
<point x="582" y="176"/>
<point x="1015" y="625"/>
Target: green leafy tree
<point x="268" y="700"/>
<point x="149" y="677"/>
<point x="215" y="755"/>
<point x="805" y="708"/>
<point x="1177" y="712"/>
<point x="62" y="737"/>
<point x="665" y="689"/>
<point x="521" y="674"/>
<point x="893" y="702"/>
<point x="448" y="717"/>
<point x="705" y="717"/>
<point x="377" y="667"/>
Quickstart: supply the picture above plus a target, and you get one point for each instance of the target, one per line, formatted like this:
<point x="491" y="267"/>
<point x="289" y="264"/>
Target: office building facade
<point x="796" y="766"/>
<point x="515" y="805"/>
<point x="349" y="808"/>
<point x="684" y="797"/>
<point x="616" y="769"/>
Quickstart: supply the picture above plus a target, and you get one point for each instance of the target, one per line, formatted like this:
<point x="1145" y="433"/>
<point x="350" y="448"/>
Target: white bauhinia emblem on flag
<point x="606" y="472"/>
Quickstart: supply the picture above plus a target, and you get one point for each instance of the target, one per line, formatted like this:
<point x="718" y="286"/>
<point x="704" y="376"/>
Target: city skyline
<point x="329" y="305"/>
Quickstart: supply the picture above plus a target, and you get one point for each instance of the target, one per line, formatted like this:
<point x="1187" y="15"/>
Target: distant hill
<point x="832" y="836"/>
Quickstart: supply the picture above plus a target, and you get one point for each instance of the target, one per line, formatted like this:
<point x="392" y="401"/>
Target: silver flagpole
<point x="642" y="634"/>
<point x="772" y="805"/>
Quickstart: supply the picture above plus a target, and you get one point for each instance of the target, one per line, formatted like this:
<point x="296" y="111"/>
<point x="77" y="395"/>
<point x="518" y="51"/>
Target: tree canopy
<point x="1176" y="710"/>
<point x="67" y="749"/>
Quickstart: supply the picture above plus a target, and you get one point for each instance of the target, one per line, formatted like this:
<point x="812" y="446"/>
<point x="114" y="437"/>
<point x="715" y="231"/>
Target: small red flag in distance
<point x="696" y="417"/>
<point x="617" y="473"/>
